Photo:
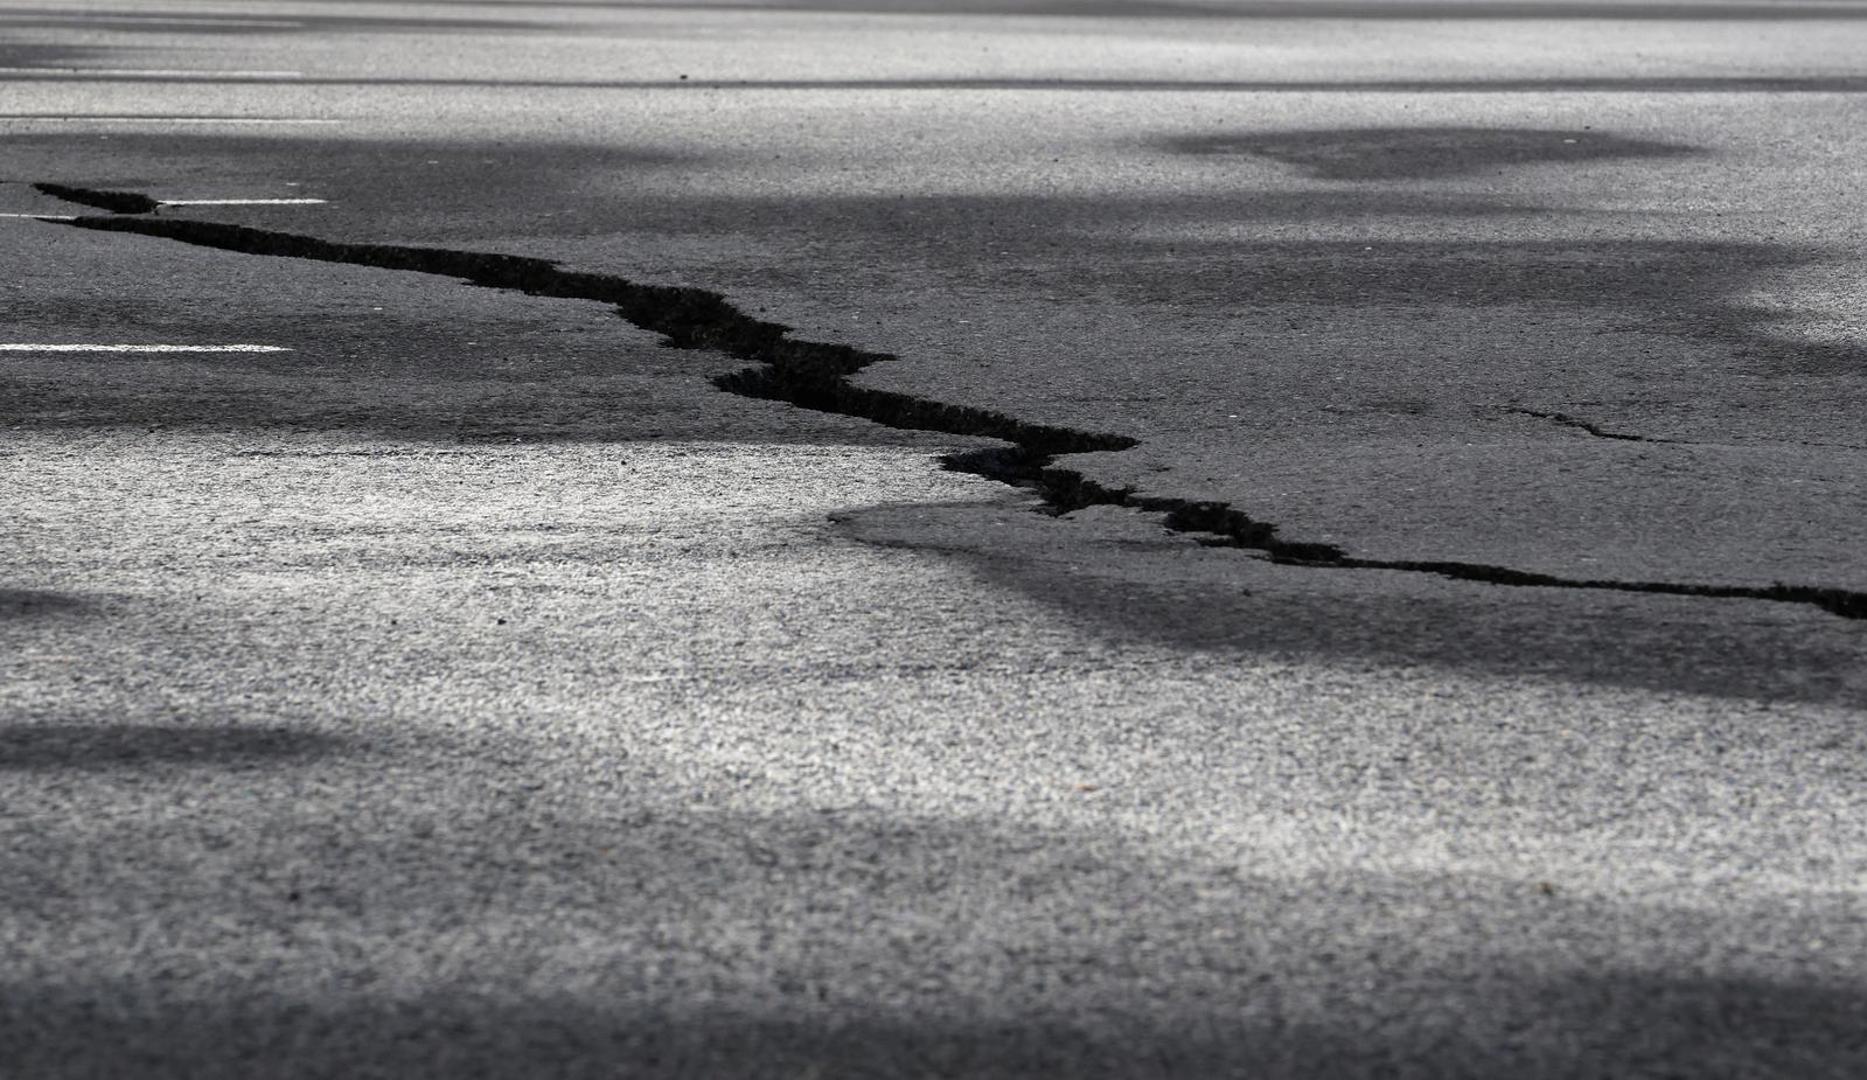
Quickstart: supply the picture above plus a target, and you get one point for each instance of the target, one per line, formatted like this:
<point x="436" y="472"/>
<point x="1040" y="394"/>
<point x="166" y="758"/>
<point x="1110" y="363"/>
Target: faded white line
<point x="46" y="347"/>
<point x="149" y="73"/>
<point x="39" y="119"/>
<point x="43" y="217"/>
<point x="241" y="202"/>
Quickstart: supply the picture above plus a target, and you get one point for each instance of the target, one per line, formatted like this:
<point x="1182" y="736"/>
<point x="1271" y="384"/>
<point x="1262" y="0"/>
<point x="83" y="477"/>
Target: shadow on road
<point x="1715" y="1029"/>
<point x="1676" y="317"/>
<point x="1424" y="152"/>
<point x="33" y="603"/>
<point x="715" y="944"/>
<point x="85" y="747"/>
<point x="1225" y="602"/>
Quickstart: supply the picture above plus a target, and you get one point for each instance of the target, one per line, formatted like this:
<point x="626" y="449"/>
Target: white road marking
<point x="43" y="119"/>
<point x="28" y="346"/>
<point x="43" y="217"/>
<point x="241" y="202"/>
<point x="150" y="73"/>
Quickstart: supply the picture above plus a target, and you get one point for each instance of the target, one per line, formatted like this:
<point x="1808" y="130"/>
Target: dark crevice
<point x="117" y="202"/>
<point x="809" y="374"/>
<point x="1843" y="602"/>
<point x="815" y="375"/>
<point x="1221" y="525"/>
<point x="800" y="387"/>
<point x="1064" y="491"/>
<point x="1567" y="420"/>
<point x="1582" y="425"/>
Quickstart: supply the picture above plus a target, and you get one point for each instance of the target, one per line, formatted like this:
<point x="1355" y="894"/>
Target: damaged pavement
<point x="1209" y="539"/>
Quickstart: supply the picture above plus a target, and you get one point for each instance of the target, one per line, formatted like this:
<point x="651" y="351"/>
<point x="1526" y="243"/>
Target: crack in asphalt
<point x="1567" y="420"/>
<point x="815" y="375"/>
<point x="1583" y="425"/>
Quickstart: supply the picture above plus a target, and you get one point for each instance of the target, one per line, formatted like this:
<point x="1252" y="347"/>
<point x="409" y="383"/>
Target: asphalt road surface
<point x="1282" y="539"/>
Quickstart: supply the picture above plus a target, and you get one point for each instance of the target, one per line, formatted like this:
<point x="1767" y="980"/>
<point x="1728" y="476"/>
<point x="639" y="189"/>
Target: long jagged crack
<point x="1222" y="525"/>
<point x="815" y="375"/>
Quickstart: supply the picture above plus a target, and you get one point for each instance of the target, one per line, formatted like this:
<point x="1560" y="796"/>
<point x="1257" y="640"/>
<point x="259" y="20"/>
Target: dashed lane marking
<point x="61" y="347"/>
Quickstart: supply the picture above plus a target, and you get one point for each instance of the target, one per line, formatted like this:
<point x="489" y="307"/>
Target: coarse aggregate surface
<point x="472" y="687"/>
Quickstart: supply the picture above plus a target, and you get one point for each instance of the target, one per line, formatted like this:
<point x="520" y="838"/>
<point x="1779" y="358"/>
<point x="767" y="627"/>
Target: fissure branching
<point x="815" y="375"/>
